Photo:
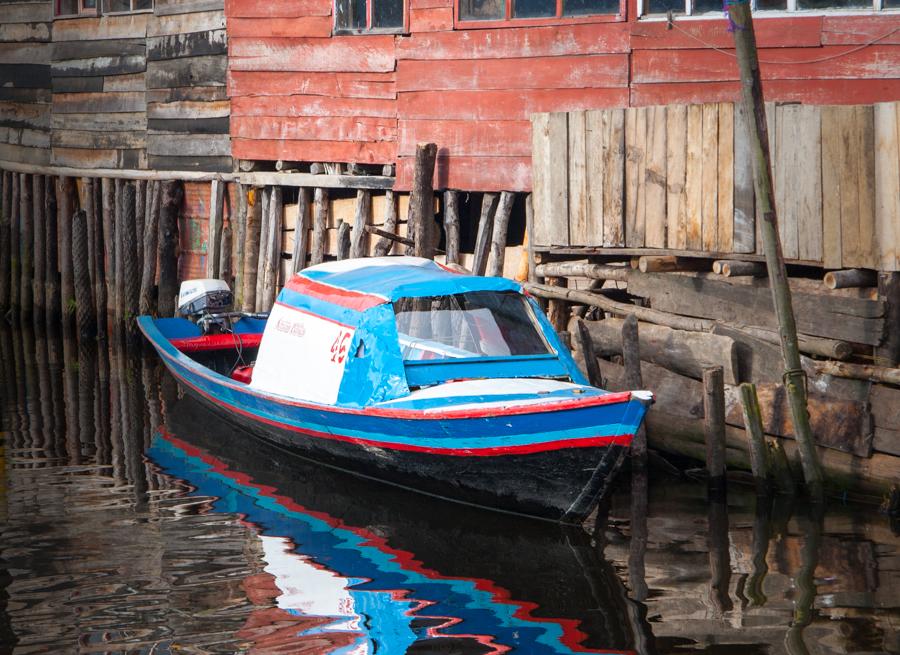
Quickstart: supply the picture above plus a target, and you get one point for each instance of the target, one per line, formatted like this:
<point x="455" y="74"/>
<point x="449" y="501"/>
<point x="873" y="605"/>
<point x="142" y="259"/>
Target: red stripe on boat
<point x="335" y="295"/>
<point x="217" y="342"/>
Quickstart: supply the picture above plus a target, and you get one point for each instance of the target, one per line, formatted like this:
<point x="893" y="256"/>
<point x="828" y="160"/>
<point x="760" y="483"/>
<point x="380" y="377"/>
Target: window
<point x="126" y="6"/>
<point x="357" y="16"/>
<point x="467" y="325"/>
<point x="76" y="7"/>
<point x="689" y="7"/>
<point x="494" y="10"/>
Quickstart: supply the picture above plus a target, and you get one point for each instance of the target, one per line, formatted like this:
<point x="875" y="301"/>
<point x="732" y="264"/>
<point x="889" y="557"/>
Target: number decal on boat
<point x="339" y="347"/>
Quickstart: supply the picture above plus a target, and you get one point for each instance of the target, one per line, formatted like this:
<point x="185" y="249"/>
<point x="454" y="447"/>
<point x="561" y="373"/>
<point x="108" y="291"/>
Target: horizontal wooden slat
<point x="276" y="8"/>
<point x="468" y="138"/>
<point x="101" y="48"/>
<point x="8" y="94"/>
<point x="507" y="42"/>
<point x="100" y="140"/>
<point x="94" y="158"/>
<point x="24" y="154"/>
<point x="342" y="85"/>
<point x="213" y="42"/>
<point x="77" y="84"/>
<point x="216" y="164"/>
<point x="505" y="105"/>
<point x="100" y="66"/>
<point x="188" y="109"/>
<point x="506" y="173"/>
<point x="188" y="94"/>
<point x="25" y="53"/>
<point x="795" y="32"/>
<point x="80" y="103"/>
<point x="205" y="145"/>
<point x="25" y="137"/>
<point x="186" y="23"/>
<point x="133" y="82"/>
<point x="24" y="32"/>
<point x="301" y="105"/>
<point x="133" y="121"/>
<point x="126" y="26"/>
<point x="24" y="115"/>
<point x="859" y="30"/>
<point x="27" y="12"/>
<point x="171" y="7"/>
<point x="204" y="71"/>
<point x="302" y="26"/>
<point x="380" y="152"/>
<point x="373" y="53"/>
<point x="325" y="128"/>
<point x="431" y="19"/>
<point x="596" y="71"/>
<point x="188" y="125"/>
<point x="25" y="76"/>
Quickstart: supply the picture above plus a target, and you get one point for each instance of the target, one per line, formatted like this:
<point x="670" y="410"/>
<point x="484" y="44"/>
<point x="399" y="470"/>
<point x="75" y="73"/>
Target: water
<point x="149" y="526"/>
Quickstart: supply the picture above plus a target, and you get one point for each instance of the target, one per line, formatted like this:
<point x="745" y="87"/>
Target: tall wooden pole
<point x="421" y="201"/>
<point x="794" y="378"/>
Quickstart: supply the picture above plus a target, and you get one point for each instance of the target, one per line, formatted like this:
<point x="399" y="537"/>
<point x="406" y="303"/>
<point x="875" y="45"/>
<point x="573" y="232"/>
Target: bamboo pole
<point x="759" y="460"/>
<point x="386" y="243"/>
<point x="498" y="238"/>
<point x="301" y="231"/>
<point x="173" y="195"/>
<point x="359" y="245"/>
<point x="451" y="226"/>
<point x="420" y="219"/>
<point x="320" y="226"/>
<point x="485" y="228"/>
<point x="794" y="377"/>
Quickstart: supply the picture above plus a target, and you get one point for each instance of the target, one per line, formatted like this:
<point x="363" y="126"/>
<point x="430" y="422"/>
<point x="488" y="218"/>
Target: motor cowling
<point x="197" y="299"/>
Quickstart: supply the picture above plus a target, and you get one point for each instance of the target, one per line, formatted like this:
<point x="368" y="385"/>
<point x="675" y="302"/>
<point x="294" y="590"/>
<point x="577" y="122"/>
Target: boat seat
<point x="243" y="374"/>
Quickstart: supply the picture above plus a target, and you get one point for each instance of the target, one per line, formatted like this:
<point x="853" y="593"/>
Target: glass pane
<point x="587" y="7"/>
<point x="467" y="325"/>
<point x="89" y="4"/>
<point x="482" y="9"/>
<point x="891" y="4"/>
<point x="704" y="6"/>
<point x="663" y="6"/>
<point x="66" y="7"/>
<point x="112" y="6"/>
<point x="140" y="5"/>
<point x="387" y="13"/>
<point x="534" y="8"/>
<point x="833" y="4"/>
<point x="351" y="15"/>
<point x="764" y="5"/>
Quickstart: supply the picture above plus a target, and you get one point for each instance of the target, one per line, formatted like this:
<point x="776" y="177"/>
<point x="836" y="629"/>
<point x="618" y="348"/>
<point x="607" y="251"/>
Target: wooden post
<point x="26" y="248"/>
<point x="420" y="219"/>
<point x="586" y="347"/>
<point x="451" y="226"/>
<point x="363" y="212"/>
<point x="343" y="240"/>
<point x="320" y="226"/>
<point x="272" y="236"/>
<point x="637" y="545"/>
<point x="759" y="453"/>
<point x="51" y="274"/>
<point x="14" y="251"/>
<point x="86" y="321"/>
<point x="529" y="232"/>
<point x="38" y="282"/>
<point x="173" y="194"/>
<point x="65" y="198"/>
<point x="140" y="217"/>
<point x="150" y="246"/>
<point x="498" y="238"/>
<point x="719" y="557"/>
<point x="794" y="377"/>
<point x="5" y="254"/>
<point x="118" y="246"/>
<point x="214" y="240"/>
<point x="850" y="278"/>
<point x="781" y="468"/>
<point x="738" y="269"/>
<point x="225" y="272"/>
<point x="264" y="240"/>
<point x="251" y="249"/>
<point x="631" y="358"/>
<point x="384" y="245"/>
<point x="130" y="269"/>
<point x="485" y="228"/>
<point x="301" y="231"/>
<point x="888" y="352"/>
<point x="240" y="237"/>
<point x="108" y="208"/>
<point x="714" y="427"/>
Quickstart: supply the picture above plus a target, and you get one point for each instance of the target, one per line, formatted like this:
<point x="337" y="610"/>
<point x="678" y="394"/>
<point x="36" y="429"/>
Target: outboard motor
<point x="207" y="303"/>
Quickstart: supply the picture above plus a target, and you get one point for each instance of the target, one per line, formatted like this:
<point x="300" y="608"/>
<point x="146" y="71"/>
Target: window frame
<point x="345" y="31"/>
<point x="130" y="12"/>
<point x="791" y="10"/>
<point x="559" y="19"/>
<point x="82" y="12"/>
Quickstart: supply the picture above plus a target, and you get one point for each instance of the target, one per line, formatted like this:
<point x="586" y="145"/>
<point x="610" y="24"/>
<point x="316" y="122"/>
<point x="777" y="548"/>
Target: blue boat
<point x="404" y="371"/>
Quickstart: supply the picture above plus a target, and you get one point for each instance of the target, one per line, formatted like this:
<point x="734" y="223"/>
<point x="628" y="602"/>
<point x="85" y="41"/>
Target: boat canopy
<point x="332" y="336"/>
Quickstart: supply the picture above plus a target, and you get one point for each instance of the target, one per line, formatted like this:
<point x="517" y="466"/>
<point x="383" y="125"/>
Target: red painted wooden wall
<point x="300" y="94"/>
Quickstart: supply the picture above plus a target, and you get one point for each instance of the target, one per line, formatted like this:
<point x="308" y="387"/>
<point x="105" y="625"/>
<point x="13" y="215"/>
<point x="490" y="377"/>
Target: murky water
<point x="137" y="522"/>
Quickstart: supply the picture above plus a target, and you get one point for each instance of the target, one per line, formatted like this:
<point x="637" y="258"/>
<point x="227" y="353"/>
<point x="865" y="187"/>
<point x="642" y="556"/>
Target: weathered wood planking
<point x="195" y="44"/>
<point x="709" y="183"/>
<point x="549" y="132"/>
<point x="655" y="187"/>
<point x="725" y="192"/>
<point x="580" y="233"/>
<point x="612" y="131"/>
<point x="370" y="53"/>
<point x="285" y="83"/>
<point x="676" y="169"/>
<point x="205" y="71"/>
<point x="799" y="184"/>
<point x="693" y="184"/>
<point x="635" y="176"/>
<point x="887" y="185"/>
<point x="744" y="230"/>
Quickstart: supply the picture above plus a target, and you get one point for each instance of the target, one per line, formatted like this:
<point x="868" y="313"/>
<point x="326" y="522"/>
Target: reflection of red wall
<point x="193" y="227"/>
<point x="300" y="94"/>
<point x="271" y="630"/>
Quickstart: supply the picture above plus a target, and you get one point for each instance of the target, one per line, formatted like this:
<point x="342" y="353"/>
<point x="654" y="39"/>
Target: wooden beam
<point x="420" y="221"/>
<point x="581" y="269"/>
<point x="850" y="278"/>
<point x="373" y="182"/>
<point x="117" y="173"/>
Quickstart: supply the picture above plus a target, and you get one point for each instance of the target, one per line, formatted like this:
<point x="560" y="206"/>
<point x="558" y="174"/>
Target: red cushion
<point x="243" y="374"/>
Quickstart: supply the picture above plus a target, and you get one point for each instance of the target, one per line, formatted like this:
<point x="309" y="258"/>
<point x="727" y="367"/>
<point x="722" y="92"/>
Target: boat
<point x="408" y="372"/>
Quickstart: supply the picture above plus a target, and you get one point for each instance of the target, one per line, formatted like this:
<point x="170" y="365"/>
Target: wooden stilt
<point x="359" y="246"/>
<point x="225" y="266"/>
<point x="108" y="192"/>
<point x="15" y="252"/>
<point x="718" y="545"/>
<point x="5" y="254"/>
<point x="582" y="337"/>
<point x="451" y="226"/>
<point x="264" y="241"/>
<point x="119" y="248"/>
<point x="485" y="229"/>
<point x="759" y="454"/>
<point x="320" y="226"/>
<point x="148" y="303"/>
<point x="498" y="238"/>
<point x="631" y="358"/>
<point x="52" y="295"/>
<point x="240" y="237"/>
<point x="384" y="245"/>
<point x="273" y="249"/>
<point x="214" y="240"/>
<point x="251" y="249"/>
<point x="140" y="217"/>
<point x="130" y="269"/>
<point x="301" y="231"/>
<point x="173" y="194"/>
<point x="343" y="240"/>
<point x="714" y="426"/>
<point x="421" y="201"/>
<point x="39" y="279"/>
<point x="86" y="321"/>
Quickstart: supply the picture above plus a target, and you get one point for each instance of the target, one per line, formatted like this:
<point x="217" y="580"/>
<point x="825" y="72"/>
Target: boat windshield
<point x="468" y="325"/>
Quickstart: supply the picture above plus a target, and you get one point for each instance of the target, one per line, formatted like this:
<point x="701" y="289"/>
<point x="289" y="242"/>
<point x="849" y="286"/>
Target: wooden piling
<point x="225" y="262"/>
<point x="743" y="269"/>
<point x="343" y="240"/>
<point x="265" y="219"/>
<point x="65" y="199"/>
<point x="251" y="249"/>
<point x="384" y="245"/>
<point x="140" y="217"/>
<point x="421" y="201"/>
<point x="14" y="249"/>
<point x="272" y="264"/>
<point x="888" y="353"/>
<point x="718" y="546"/>
<point x="485" y="228"/>
<point x="586" y="347"/>
<point x="108" y="205"/>
<point x="850" y="278"/>
<point x="151" y="242"/>
<point x="794" y="377"/>
<point x="631" y="358"/>
<point x="301" y="231"/>
<point x="173" y="194"/>
<point x="86" y="321"/>
<point x="451" y="226"/>
<point x="714" y="427"/>
<point x="498" y="238"/>
<point x="119" y="249"/>
<point x="582" y="269"/>
<point x="214" y="240"/>
<point x="360" y="237"/>
<point x="26" y="248"/>
<point x="759" y="454"/>
<point x="5" y="255"/>
<point x="39" y="252"/>
<point x="320" y="226"/>
<point x="240" y="237"/>
<point x="52" y="295"/>
<point x="130" y="269"/>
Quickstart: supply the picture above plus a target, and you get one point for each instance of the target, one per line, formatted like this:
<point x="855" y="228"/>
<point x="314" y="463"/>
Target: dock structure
<point x="601" y="157"/>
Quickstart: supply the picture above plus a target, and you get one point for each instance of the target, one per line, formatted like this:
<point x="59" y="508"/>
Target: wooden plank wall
<point x="145" y="90"/>
<point x="25" y="81"/>
<point x="678" y="179"/>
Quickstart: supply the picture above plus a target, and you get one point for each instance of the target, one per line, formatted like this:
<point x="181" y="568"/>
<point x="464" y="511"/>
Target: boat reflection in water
<point x="360" y="568"/>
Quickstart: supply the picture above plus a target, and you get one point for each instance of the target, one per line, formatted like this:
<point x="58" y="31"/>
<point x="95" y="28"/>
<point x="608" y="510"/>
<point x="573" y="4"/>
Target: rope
<point x="673" y="25"/>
